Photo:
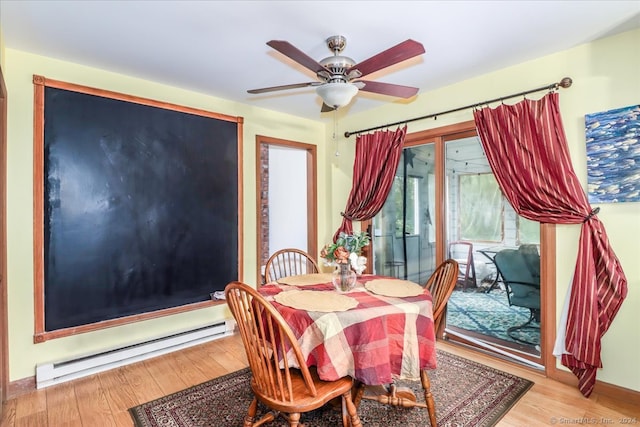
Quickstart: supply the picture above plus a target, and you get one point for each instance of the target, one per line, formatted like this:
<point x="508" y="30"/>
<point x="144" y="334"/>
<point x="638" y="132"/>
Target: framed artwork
<point x="613" y="155"/>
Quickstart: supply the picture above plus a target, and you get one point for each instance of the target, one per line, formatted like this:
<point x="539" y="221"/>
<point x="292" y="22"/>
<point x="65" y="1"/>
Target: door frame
<point x="439" y="136"/>
<point x="262" y="143"/>
<point x="4" y="330"/>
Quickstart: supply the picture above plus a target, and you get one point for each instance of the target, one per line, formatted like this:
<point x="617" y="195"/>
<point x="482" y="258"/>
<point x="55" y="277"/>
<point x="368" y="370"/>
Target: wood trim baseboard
<point x="612" y="391"/>
<point x="617" y="393"/>
<point x="20" y="387"/>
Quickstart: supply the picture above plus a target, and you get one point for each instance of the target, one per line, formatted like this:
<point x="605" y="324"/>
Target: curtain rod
<point x="565" y="83"/>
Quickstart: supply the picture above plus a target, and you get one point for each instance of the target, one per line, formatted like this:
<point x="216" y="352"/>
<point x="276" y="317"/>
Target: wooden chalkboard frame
<point x="40" y="83"/>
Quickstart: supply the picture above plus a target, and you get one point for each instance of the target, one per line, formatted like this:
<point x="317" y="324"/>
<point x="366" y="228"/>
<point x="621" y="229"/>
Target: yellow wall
<point x="23" y="354"/>
<point x="606" y="75"/>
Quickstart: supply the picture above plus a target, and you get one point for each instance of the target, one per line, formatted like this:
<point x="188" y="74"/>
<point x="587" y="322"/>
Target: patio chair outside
<point x="462" y="253"/>
<point x="523" y="287"/>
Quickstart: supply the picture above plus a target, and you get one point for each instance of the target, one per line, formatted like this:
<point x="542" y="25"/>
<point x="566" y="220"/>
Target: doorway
<point x="444" y="192"/>
<point x="286" y="198"/>
<point x="403" y="231"/>
<point x="496" y="304"/>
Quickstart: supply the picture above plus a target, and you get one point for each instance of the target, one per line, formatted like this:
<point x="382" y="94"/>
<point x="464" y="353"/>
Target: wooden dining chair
<point x="462" y="252"/>
<point x="441" y="284"/>
<point x="289" y="262"/>
<point x="285" y="390"/>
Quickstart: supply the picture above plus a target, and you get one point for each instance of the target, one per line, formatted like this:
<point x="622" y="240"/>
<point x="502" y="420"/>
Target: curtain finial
<point x="566" y="82"/>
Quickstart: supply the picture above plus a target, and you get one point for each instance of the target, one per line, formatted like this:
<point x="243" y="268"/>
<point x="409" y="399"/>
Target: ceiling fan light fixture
<point x="337" y="94"/>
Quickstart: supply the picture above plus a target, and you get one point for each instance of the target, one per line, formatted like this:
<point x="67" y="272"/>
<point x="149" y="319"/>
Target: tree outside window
<point x="480" y="207"/>
<point x="528" y="231"/>
<point x="412" y="225"/>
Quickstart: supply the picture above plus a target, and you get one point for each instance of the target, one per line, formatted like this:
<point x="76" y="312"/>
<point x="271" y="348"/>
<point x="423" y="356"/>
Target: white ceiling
<point x="218" y="47"/>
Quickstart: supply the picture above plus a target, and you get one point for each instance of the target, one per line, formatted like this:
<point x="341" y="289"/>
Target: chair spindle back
<point x="269" y="343"/>
<point x="441" y="284"/>
<point x="289" y="262"/>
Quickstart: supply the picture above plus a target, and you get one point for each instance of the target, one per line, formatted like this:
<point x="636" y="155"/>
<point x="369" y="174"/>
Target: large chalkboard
<point x="140" y="207"/>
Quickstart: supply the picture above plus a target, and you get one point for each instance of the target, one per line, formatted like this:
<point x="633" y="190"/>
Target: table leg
<point x="389" y="397"/>
<point x="357" y="393"/>
<point x="402" y="396"/>
<point x="495" y="281"/>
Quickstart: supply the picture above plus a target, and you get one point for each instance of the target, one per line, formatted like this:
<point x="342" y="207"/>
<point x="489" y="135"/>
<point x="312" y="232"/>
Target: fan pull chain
<point x="335" y="132"/>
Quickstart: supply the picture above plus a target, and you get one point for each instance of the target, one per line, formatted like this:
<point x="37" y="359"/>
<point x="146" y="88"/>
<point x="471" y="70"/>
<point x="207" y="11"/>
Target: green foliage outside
<point x="528" y="231"/>
<point x="398" y="198"/>
<point x="480" y="207"/>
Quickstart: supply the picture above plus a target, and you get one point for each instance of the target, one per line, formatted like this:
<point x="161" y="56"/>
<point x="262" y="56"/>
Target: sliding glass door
<point x="445" y="203"/>
<point x="403" y="232"/>
<point x="488" y="308"/>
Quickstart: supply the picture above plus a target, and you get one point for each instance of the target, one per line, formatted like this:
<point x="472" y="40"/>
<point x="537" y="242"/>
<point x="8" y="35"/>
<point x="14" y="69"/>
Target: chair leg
<point x="294" y="419"/>
<point x="428" y="397"/>
<point x="523" y="326"/>
<point x="349" y="412"/>
<point x="470" y="280"/>
<point x="357" y="391"/>
<point x="251" y="413"/>
<point x="474" y="279"/>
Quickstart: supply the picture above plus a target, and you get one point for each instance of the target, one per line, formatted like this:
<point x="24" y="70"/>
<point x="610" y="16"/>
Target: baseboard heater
<point x="48" y="374"/>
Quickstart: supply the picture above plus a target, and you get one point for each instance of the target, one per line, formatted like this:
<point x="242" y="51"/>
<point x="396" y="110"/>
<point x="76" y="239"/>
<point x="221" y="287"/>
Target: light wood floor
<point x="103" y="399"/>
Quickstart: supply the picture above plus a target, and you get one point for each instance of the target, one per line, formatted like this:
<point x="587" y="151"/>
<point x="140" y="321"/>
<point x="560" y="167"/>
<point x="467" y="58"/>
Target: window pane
<point x="396" y="191"/>
<point x="412" y="206"/>
<point x="412" y="219"/>
<point x="412" y="255"/>
<point x="480" y="208"/>
<point x="528" y="231"/>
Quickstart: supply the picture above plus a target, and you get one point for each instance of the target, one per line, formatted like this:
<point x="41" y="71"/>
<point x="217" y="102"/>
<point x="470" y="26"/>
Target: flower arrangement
<point x="340" y="252"/>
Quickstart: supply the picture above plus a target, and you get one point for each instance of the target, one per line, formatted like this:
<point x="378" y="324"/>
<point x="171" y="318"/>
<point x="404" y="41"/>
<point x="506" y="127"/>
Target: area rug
<point x="466" y="394"/>
<point x="489" y="314"/>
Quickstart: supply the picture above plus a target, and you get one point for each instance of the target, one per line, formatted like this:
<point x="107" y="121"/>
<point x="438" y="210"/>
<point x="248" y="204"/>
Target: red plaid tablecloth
<point x="381" y="339"/>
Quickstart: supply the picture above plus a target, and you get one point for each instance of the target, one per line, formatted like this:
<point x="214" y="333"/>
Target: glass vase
<point x="344" y="278"/>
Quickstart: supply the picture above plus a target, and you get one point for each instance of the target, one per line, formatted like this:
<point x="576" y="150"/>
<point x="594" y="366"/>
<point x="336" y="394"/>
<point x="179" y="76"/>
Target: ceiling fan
<point x="339" y="76"/>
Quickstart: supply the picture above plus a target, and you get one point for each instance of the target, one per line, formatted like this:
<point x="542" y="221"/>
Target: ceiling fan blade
<point x="284" y="87"/>
<point x="398" y="53"/>
<point x="325" y="108"/>
<point x="287" y="49"/>
<point x="388" y="89"/>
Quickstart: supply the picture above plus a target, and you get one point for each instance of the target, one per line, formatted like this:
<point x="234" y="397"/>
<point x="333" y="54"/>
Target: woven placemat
<point x="322" y="301"/>
<point x="394" y="288"/>
<point x="305" y="279"/>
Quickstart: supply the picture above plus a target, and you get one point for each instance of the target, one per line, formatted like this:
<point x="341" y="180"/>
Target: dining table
<point x="378" y="332"/>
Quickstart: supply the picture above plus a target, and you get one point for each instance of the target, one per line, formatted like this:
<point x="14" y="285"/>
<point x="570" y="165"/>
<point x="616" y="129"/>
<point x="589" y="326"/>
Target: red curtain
<point x="377" y="157"/>
<point x="527" y="150"/>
